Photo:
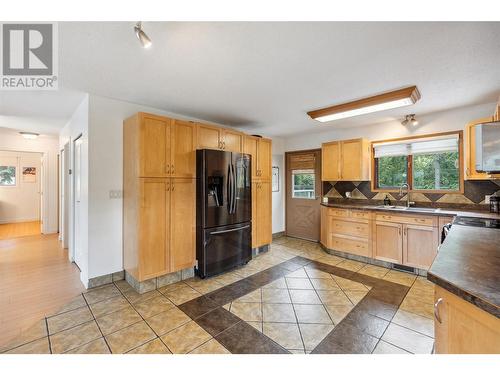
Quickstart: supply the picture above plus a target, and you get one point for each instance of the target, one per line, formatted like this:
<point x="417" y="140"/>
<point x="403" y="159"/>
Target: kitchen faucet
<point x="408" y="203"/>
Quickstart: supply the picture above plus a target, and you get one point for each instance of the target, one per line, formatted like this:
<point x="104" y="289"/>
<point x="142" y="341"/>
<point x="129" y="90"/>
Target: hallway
<point x="36" y="278"/>
<point x="14" y="230"/>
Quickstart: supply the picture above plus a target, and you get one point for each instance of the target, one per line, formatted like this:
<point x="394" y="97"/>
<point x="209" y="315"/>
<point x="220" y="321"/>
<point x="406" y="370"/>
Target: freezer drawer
<point x="223" y="248"/>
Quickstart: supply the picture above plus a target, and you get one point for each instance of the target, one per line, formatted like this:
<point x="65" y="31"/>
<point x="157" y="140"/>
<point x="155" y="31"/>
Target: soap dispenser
<point x="387" y="201"/>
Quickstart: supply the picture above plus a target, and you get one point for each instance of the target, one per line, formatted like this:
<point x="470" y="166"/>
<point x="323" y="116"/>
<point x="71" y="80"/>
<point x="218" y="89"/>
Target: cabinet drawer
<point x="350" y="246"/>
<point x="420" y="220"/>
<point x="338" y="212"/>
<point x="350" y="228"/>
<point x="360" y="214"/>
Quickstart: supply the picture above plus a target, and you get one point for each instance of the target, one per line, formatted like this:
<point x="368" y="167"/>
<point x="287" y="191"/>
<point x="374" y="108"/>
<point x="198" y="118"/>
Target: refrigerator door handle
<point x="229" y="189"/>
<point x="230" y="230"/>
<point x="234" y="189"/>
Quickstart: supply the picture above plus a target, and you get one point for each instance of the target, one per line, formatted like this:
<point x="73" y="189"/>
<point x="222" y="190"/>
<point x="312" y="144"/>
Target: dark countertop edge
<point x="465" y="295"/>
<point x="439" y="212"/>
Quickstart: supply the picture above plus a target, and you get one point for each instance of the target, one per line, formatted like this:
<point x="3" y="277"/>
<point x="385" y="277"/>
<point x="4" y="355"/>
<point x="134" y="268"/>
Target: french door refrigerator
<point x="223" y="211"/>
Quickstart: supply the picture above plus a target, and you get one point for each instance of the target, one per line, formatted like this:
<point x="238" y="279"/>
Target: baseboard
<point x="278" y="234"/>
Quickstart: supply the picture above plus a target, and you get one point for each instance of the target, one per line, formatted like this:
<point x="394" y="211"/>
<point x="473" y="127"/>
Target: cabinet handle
<point x="399" y="230"/>
<point x="168" y="168"/>
<point x="224" y="145"/>
<point x="436" y="310"/>
<point x="467" y="172"/>
<point x="173" y="186"/>
<point x="405" y="231"/>
<point x="172" y="169"/>
<point x="168" y="186"/>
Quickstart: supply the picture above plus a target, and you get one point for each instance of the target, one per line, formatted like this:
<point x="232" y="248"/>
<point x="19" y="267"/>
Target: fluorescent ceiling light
<point x="29" y="135"/>
<point x="382" y="102"/>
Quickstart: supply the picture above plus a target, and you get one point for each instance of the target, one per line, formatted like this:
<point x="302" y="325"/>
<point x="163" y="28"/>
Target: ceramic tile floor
<point x="293" y="299"/>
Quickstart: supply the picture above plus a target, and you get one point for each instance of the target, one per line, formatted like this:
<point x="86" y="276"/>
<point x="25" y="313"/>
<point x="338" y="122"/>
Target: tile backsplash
<point x="474" y="192"/>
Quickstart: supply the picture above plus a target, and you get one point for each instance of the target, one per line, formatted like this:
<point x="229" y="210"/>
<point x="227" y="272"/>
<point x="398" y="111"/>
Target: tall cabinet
<point x="159" y="178"/>
<point x="260" y="150"/>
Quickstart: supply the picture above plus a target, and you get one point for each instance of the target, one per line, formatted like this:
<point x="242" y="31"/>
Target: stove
<point x="477" y="222"/>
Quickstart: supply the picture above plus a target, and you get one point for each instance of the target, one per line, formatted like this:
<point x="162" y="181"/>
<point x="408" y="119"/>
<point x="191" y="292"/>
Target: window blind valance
<point x="302" y="161"/>
<point x="430" y="145"/>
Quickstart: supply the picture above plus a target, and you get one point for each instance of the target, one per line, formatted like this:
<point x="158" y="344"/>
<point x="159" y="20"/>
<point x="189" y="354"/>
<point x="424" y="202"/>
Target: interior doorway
<point x="77" y="206"/>
<point x="303" y="192"/>
<point x="21" y="193"/>
<point x="64" y="189"/>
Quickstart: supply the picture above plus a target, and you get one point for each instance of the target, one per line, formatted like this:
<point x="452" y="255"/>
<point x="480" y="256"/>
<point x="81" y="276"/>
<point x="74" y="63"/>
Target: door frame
<point x="285" y="182"/>
<point x="72" y="224"/>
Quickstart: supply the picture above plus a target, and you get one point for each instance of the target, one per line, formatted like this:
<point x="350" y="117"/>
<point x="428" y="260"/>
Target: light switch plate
<point x="115" y="194"/>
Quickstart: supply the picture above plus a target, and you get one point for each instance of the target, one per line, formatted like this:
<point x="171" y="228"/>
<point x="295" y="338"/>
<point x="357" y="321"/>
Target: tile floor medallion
<point x="293" y="299"/>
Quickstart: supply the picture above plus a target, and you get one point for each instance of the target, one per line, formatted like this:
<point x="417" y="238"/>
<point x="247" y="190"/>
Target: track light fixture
<point x="142" y="36"/>
<point x="410" y="120"/>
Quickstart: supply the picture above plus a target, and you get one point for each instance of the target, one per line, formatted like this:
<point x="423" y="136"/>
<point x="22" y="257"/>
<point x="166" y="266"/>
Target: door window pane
<point x="7" y="175"/>
<point x="391" y="171"/>
<point x="303" y="184"/>
<point x="436" y="171"/>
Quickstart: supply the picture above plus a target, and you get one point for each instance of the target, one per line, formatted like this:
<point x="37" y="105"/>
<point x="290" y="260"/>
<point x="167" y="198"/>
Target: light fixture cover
<point x="394" y="99"/>
<point x="29" y="135"/>
<point x="142" y="36"/>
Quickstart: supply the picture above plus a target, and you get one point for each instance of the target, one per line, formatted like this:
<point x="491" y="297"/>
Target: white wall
<point x="278" y="160"/>
<point x="20" y="202"/>
<point x="77" y="126"/>
<point x="455" y="119"/>
<point x="47" y="145"/>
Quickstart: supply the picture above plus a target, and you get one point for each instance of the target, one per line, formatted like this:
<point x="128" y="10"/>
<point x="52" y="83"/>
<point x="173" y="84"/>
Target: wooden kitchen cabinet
<point x="183" y="149"/>
<point x="324" y="232"/>
<point x="347" y="160"/>
<point x="420" y="245"/>
<point x="182" y="223"/>
<point x="388" y="242"/>
<point x="261" y="213"/>
<point x="470" y="152"/>
<point x="218" y="138"/>
<point x="462" y="328"/>
<point x="153" y="235"/>
<point x="261" y="151"/>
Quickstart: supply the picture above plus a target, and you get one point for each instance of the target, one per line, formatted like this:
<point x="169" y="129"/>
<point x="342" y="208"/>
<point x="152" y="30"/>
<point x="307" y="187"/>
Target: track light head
<point x="142" y="36"/>
<point x="410" y="120"/>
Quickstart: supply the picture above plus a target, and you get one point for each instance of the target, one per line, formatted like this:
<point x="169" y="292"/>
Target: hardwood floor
<point x="36" y="279"/>
<point x="14" y="230"/>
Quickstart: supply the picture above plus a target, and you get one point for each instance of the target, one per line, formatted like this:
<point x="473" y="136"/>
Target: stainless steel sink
<point x="401" y="208"/>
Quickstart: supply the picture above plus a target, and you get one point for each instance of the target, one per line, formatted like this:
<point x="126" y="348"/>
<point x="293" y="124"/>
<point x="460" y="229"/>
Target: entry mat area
<point x="293" y="299"/>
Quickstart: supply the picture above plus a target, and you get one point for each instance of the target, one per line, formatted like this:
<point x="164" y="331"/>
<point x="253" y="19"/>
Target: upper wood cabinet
<point x="261" y="151"/>
<point x="164" y="148"/>
<point x="217" y="138"/>
<point x="470" y="152"/>
<point x="347" y="160"/>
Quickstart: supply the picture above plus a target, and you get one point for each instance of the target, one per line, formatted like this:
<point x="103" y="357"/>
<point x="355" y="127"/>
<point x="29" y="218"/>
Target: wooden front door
<point x="303" y="194"/>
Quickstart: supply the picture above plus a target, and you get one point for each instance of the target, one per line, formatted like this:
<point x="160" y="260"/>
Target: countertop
<point x="467" y="263"/>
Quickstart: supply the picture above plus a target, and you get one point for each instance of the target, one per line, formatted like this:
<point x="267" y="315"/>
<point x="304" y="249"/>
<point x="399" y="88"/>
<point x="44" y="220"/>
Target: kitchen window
<point x="7" y="175"/>
<point x="426" y="163"/>
<point x="303" y="185"/>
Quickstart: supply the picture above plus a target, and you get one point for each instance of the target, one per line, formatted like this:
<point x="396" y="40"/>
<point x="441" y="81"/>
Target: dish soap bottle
<point x="387" y="201"/>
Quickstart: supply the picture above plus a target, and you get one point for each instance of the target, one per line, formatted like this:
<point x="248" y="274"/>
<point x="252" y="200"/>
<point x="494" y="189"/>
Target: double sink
<point x="404" y="208"/>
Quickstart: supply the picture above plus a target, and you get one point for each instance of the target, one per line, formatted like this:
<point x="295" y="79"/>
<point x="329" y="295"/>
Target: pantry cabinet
<point x="261" y="213"/>
<point x="159" y="195"/>
<point x="347" y="160"/>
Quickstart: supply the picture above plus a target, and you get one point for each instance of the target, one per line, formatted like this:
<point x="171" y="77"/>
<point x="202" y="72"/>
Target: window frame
<point x="410" y="177"/>
<point x="314" y="185"/>
<point x="16" y="175"/>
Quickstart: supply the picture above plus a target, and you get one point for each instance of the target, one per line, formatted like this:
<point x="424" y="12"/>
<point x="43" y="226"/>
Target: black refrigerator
<point x="223" y="211"/>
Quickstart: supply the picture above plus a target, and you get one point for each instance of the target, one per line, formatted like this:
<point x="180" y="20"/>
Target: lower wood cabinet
<point x="261" y="213"/>
<point x="462" y="328"/>
<point x="163" y="237"/>
<point x="420" y="245"/>
<point x="388" y="242"/>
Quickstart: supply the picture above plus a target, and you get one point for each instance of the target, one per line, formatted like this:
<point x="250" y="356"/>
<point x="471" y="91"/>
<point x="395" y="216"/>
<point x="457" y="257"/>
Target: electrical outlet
<point x="487" y="199"/>
<point x="115" y="194"/>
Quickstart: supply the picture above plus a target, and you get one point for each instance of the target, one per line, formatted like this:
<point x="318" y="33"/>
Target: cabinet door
<point x="183" y="149"/>
<point x="351" y="160"/>
<point x="330" y="161"/>
<point x="250" y="146"/>
<point x="264" y="214"/>
<point x="154" y="146"/>
<point x="264" y="156"/>
<point x="209" y="137"/>
<point x="324" y="226"/>
<point x="233" y="141"/>
<point x="255" y="240"/>
<point x="388" y="242"/>
<point x="182" y="223"/>
<point x="153" y="223"/>
<point x="419" y="245"/>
